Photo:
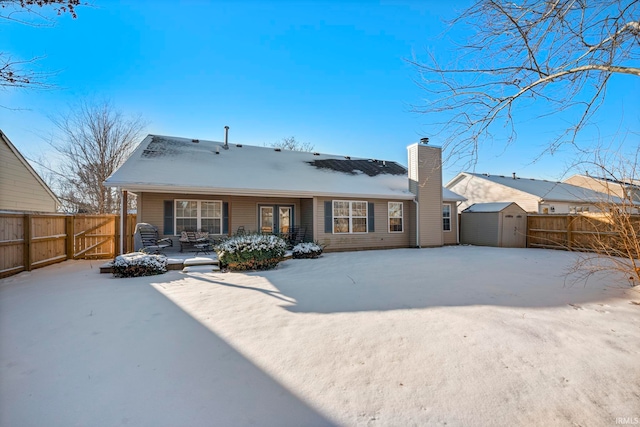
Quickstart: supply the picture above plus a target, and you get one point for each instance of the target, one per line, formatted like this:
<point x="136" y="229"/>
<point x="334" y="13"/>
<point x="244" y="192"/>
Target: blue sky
<point x="329" y="73"/>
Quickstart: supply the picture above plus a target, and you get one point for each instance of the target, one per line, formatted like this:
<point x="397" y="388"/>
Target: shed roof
<point x="164" y="163"/>
<point x="490" y="207"/>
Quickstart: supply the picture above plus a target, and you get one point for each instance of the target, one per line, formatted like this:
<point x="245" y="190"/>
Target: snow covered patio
<point x="455" y="335"/>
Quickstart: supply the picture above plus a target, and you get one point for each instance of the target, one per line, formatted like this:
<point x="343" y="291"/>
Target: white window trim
<point x="366" y="216"/>
<point x="443" y="217"/>
<point x="401" y="218"/>
<point x="273" y="213"/>
<point x="199" y="217"/>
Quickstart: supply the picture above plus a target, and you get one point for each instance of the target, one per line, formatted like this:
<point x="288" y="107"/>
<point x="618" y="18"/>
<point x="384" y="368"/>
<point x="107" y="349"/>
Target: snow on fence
<point x="29" y="241"/>
<point x="579" y="232"/>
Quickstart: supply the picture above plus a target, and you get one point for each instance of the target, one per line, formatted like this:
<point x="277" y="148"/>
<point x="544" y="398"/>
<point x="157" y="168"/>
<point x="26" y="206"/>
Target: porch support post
<point x="123" y="222"/>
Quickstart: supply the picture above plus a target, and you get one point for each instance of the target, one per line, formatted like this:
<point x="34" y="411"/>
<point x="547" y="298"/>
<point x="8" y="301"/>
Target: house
<point x="533" y="195"/>
<point x="344" y="202"/>
<point x="500" y="224"/>
<point x="628" y="190"/>
<point x="21" y="188"/>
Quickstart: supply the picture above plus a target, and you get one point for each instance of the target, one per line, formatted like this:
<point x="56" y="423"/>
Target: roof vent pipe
<point x="226" y="138"/>
<point x="514" y="175"/>
<point x="424" y="141"/>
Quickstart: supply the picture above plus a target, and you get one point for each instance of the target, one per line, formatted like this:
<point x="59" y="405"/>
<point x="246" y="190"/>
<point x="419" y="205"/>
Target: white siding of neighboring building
<point x="478" y="190"/>
<point x="20" y="190"/>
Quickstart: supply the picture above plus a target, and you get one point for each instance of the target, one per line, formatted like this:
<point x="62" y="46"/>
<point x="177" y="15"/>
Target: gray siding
<point x="480" y="228"/>
<point x="379" y="239"/>
<point x="243" y="211"/>
<point x="306" y="218"/>
<point x="451" y="237"/>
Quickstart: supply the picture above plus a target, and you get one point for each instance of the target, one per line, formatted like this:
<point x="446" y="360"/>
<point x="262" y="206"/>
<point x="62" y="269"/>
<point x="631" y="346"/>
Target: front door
<point x="276" y="219"/>
<point x="266" y="219"/>
<point x="284" y="219"/>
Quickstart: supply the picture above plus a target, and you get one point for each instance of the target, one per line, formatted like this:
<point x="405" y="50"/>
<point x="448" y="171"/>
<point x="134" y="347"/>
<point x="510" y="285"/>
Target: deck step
<point x="200" y="261"/>
<point x="201" y="268"/>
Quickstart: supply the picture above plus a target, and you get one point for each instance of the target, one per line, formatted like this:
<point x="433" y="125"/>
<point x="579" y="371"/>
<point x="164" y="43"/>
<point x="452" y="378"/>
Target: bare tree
<point x="94" y="141"/>
<point x="20" y="72"/>
<point x="291" y="143"/>
<point x="560" y="53"/>
<point x="610" y="239"/>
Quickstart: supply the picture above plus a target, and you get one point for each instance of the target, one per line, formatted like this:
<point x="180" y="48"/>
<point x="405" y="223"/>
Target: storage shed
<point x="501" y="224"/>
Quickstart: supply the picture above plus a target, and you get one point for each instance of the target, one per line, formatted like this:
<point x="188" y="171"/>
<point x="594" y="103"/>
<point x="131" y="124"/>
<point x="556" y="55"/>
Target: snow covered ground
<point x="456" y="335"/>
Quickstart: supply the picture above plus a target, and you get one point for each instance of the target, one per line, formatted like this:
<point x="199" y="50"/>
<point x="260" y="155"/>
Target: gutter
<point x="250" y="192"/>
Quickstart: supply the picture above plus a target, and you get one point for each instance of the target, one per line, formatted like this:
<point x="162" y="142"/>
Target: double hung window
<point x="349" y="216"/>
<point x="446" y="217"/>
<point x="192" y="215"/>
<point x="395" y="217"/>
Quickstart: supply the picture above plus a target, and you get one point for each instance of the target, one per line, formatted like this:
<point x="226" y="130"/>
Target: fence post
<point x="27" y="242"/>
<point x="569" y="232"/>
<point x="71" y="236"/>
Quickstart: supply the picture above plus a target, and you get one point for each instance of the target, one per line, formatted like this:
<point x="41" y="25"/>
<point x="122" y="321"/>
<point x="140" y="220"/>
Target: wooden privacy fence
<point x="29" y="241"/>
<point x="580" y="232"/>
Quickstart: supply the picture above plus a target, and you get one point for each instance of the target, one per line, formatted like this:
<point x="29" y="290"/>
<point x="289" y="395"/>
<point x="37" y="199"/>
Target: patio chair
<point x="189" y="239"/>
<point x="146" y="238"/>
<point x="298" y="234"/>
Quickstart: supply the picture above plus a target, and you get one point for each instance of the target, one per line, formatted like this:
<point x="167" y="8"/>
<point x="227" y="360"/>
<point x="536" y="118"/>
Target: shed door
<point x="514" y="229"/>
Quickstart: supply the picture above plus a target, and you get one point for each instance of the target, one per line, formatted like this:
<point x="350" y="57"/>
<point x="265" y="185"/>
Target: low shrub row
<point x="307" y="250"/>
<point x="251" y="252"/>
<point x="239" y="253"/>
<point x="138" y="264"/>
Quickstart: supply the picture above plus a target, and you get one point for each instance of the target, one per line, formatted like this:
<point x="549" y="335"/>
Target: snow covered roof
<point x="164" y="163"/>
<point x="489" y="207"/>
<point x="630" y="182"/>
<point x="450" y="196"/>
<point x="548" y="190"/>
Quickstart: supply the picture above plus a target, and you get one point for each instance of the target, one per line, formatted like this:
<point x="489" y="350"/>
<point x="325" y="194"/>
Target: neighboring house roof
<point x="490" y="207"/>
<point x="628" y="183"/>
<point x="450" y="196"/>
<point x="547" y="191"/>
<point x="26" y="164"/>
<point x="164" y="163"/>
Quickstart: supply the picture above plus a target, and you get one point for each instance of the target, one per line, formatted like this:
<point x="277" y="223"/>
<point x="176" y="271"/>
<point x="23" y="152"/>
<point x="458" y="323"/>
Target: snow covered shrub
<point x="138" y="264"/>
<point x="307" y="250"/>
<point x="251" y="252"/>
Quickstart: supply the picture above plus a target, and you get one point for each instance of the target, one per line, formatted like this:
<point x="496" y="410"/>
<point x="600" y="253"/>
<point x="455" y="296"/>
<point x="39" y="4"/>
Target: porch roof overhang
<point x="251" y="192"/>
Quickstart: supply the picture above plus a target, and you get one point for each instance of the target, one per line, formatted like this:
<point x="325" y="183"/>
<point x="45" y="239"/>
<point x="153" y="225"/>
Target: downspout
<point x="459" y="220"/>
<point x="417" y="223"/>
<point x="123" y="221"/>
